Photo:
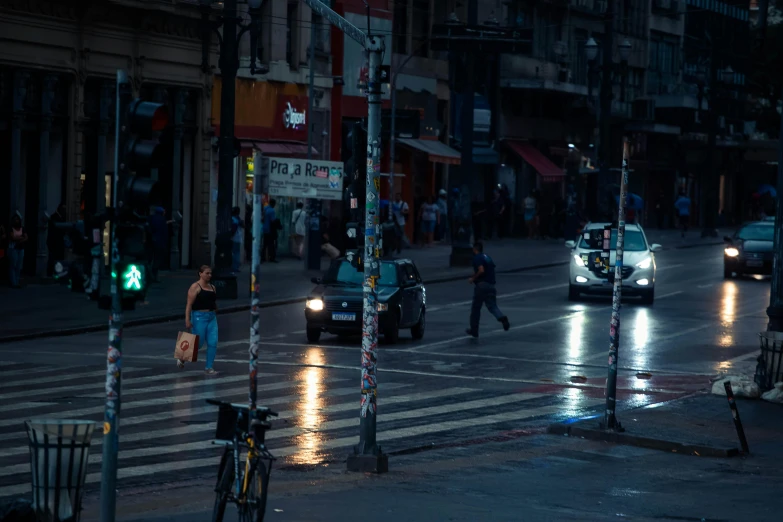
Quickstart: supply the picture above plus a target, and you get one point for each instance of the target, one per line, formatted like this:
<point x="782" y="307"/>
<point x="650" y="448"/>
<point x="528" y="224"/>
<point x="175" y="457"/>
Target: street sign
<point x="481" y="39"/>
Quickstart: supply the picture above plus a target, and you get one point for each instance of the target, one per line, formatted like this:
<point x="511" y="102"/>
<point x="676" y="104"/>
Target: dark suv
<point x="335" y="305"/>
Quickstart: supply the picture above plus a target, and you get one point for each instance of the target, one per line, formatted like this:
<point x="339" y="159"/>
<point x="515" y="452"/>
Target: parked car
<point x="749" y="250"/>
<point x="638" y="263"/>
<point x="335" y="305"/>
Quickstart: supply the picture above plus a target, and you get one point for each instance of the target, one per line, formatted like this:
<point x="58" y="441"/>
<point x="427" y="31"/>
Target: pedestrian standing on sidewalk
<point x="298" y="218"/>
<point x="484" y="291"/>
<point x="201" y="315"/>
<point x="17" y="240"/>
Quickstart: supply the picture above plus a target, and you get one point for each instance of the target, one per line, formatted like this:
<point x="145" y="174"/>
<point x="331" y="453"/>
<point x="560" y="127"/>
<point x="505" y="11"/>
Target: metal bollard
<point x="736" y="416"/>
<point x="59" y="451"/>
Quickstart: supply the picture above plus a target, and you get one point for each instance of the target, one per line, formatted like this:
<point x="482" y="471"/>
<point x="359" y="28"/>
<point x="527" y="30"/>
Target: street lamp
<point x="228" y="63"/>
<point x="625" y="50"/>
<point x="591" y="50"/>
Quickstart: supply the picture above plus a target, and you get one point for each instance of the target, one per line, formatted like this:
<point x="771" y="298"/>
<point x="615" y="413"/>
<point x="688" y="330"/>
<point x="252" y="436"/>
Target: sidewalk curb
<point x="642" y="442"/>
<point x="267" y="304"/>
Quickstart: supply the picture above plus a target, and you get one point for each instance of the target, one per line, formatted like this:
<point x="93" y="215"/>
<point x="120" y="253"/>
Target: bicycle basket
<point x="227" y="423"/>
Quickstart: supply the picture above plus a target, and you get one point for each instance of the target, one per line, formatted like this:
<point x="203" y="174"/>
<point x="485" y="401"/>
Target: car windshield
<point x="756" y="233"/>
<point x="634" y="241"/>
<point x="343" y="272"/>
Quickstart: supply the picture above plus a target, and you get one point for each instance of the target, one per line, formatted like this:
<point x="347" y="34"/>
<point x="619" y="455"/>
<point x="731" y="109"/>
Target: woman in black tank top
<point x="201" y="316"/>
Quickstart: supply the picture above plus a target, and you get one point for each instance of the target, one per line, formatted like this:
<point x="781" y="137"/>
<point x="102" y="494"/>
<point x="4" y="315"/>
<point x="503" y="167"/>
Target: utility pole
<point x="775" y="310"/>
<point x="461" y="248"/>
<point x="313" y="256"/>
<point x="255" y="296"/>
<point x="610" y="419"/>
<point x="229" y="64"/>
<point x="605" y="96"/>
<point x="111" y="416"/>
<point x="367" y="455"/>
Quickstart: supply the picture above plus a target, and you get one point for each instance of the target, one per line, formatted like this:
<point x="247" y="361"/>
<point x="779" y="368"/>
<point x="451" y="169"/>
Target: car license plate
<point x="341" y="316"/>
<point x="755" y="262"/>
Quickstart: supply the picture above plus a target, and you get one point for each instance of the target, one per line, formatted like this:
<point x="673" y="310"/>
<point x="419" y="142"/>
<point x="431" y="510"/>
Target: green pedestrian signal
<point x="132" y="278"/>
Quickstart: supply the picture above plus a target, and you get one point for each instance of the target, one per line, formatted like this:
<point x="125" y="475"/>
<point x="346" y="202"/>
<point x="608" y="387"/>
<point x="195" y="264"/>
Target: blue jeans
<point x="236" y="252"/>
<point x="15" y="262"/>
<point x="206" y="327"/>
<point x="483" y="293"/>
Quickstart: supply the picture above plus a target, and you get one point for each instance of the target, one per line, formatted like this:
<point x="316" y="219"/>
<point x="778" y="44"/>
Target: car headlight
<point x="315" y="305"/>
<point x="382" y="307"/>
<point x="578" y="260"/>
<point x="644" y="263"/>
<point x="731" y="252"/>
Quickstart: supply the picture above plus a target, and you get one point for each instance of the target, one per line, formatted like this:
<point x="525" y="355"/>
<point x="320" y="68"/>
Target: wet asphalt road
<point x="550" y="366"/>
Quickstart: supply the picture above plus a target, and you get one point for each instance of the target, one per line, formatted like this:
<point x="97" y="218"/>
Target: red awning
<point x="276" y="148"/>
<point x="549" y="171"/>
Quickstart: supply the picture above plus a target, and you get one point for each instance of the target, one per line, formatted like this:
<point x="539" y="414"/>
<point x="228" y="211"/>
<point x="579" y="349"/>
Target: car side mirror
<point x="727" y="239"/>
<point x="316" y="280"/>
<point x="655" y="247"/>
<point x="570" y="244"/>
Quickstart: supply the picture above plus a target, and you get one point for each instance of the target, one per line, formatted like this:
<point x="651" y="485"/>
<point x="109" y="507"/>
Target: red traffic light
<point x="146" y="117"/>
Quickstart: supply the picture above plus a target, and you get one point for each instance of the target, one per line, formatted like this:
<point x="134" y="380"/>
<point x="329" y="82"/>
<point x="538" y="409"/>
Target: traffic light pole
<point x="367" y="455"/>
<point x="111" y="417"/>
<point x="313" y="251"/>
<point x="610" y="419"/>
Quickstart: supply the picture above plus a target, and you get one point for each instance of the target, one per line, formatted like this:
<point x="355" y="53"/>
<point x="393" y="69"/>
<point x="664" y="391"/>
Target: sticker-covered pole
<point x="111" y="416"/>
<point x="255" y="296"/>
<point x="610" y="419"/>
<point x="367" y="454"/>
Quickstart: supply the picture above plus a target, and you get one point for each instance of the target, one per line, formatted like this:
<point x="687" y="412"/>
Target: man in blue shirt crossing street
<point x="484" y="291"/>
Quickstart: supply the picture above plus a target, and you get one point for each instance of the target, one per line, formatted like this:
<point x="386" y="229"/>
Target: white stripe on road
<point x="61" y="370"/>
<point x="33" y="381"/>
<point x="159" y="401"/>
<point x="194" y="412"/>
<point x="205" y="381"/>
<point x="279" y="433"/>
<point x="383" y="437"/>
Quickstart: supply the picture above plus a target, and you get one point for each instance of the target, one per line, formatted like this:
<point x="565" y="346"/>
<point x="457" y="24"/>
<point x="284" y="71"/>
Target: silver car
<point x="587" y="277"/>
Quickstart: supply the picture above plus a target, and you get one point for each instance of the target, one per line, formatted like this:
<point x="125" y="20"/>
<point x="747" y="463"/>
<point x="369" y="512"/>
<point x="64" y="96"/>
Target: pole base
<point x="775" y="315"/>
<point x="611" y="425"/>
<point x="226" y="286"/>
<point x="369" y="463"/>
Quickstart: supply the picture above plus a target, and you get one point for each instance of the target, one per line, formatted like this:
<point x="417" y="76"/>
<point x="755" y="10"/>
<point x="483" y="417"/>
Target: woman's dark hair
<point x="203" y="268"/>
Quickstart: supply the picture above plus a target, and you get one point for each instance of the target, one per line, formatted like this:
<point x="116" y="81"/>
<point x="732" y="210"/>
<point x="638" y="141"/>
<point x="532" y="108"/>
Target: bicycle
<point x="244" y="486"/>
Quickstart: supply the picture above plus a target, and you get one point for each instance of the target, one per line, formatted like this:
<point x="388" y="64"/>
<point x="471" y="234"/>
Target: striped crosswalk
<point x="166" y="428"/>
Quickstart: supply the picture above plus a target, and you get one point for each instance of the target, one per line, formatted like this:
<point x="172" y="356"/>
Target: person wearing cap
<point x="443" y="207"/>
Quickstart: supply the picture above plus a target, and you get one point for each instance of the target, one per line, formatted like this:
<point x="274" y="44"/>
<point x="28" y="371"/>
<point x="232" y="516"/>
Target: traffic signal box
<point x="140" y="152"/>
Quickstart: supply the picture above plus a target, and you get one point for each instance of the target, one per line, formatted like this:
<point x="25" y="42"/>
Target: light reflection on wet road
<point x="556" y="351"/>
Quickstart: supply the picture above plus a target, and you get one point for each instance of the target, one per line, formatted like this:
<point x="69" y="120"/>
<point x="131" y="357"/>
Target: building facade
<point x="57" y="111"/>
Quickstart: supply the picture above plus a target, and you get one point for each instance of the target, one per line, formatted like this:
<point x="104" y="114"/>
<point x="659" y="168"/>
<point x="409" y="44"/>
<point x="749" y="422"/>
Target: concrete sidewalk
<point x="48" y="310"/>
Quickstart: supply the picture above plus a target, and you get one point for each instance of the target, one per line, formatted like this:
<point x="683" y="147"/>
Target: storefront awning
<point x="436" y="151"/>
<point x="276" y="148"/>
<point x="548" y="171"/>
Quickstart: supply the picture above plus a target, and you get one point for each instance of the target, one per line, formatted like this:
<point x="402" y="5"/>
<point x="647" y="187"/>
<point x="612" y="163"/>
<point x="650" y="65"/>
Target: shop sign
<point x="291" y="118"/>
<point x="298" y="178"/>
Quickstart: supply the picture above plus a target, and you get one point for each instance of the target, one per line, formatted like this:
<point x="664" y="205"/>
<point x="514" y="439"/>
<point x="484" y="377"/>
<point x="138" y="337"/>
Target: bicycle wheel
<point x="223" y="485"/>
<point x="255" y="507"/>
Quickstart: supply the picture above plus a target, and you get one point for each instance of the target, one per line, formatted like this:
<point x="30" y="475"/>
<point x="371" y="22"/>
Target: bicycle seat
<point x="244" y="408"/>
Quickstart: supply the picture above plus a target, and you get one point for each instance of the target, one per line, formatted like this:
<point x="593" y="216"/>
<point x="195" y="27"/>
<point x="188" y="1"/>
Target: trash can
<point x="59" y="450"/>
<point x="769" y="369"/>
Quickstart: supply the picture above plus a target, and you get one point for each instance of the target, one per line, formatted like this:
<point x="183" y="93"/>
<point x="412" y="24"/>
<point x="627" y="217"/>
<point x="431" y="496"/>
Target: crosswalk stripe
<point x="100" y="383"/>
<point x="125" y="391"/>
<point x="208" y="381"/>
<point x="60" y="369"/>
<point x="193" y="412"/>
<point x="158" y="401"/>
<point x="383" y="437"/>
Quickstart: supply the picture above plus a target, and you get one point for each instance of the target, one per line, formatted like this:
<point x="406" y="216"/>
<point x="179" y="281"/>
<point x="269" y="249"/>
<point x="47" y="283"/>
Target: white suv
<point x="638" y="263"/>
